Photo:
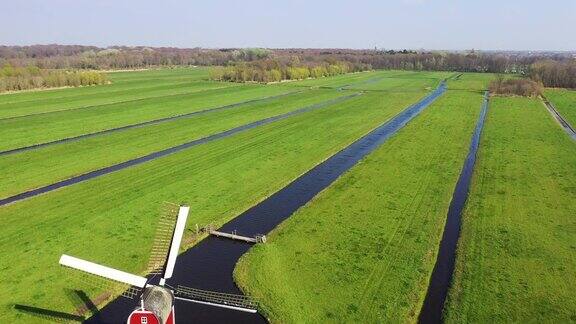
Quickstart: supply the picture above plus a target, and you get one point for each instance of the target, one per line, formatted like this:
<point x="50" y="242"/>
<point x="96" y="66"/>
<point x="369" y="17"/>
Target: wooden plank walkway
<point x="234" y="236"/>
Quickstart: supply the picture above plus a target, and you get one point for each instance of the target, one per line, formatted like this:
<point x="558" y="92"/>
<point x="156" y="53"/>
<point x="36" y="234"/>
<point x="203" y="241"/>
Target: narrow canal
<point x="441" y="278"/>
<point x="210" y="264"/>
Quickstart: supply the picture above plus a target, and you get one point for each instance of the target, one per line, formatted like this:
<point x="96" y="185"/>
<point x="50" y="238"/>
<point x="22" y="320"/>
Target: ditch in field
<point x="516" y="259"/>
<point x="210" y="263"/>
<point x="560" y="119"/>
<point x="443" y="271"/>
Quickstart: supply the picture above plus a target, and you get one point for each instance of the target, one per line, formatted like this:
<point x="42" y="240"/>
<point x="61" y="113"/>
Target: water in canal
<point x="209" y="264"/>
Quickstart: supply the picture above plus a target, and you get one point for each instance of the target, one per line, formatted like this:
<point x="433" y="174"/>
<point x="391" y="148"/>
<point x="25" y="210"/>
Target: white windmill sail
<point x="103" y="271"/>
<point x="166" y="246"/>
<point x="175" y="244"/>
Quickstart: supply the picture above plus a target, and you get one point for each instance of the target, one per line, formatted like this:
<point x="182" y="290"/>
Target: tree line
<point x="122" y="57"/>
<point x="554" y="73"/>
<point x="552" y="69"/>
<point x="32" y="77"/>
<point x="274" y="70"/>
<point x="471" y="61"/>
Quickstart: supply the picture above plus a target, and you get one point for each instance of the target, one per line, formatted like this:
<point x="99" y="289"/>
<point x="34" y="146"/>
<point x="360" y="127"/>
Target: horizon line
<point x="300" y="48"/>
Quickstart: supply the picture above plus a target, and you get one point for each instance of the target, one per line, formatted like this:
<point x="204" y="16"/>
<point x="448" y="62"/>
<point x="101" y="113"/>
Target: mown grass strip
<point x="58" y="125"/>
<point x="360" y="77"/>
<point x="137" y="125"/>
<point x="156" y="155"/>
<point x="33" y="169"/>
<point x="471" y="81"/>
<point x="333" y="81"/>
<point x="198" y="73"/>
<point x="363" y="250"/>
<point x="219" y="180"/>
<point x="134" y="80"/>
<point x="165" y="90"/>
<point x="397" y="84"/>
<point x="516" y="259"/>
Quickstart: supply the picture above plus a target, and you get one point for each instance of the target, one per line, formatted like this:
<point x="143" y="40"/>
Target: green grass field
<point x="398" y="84"/>
<point x="105" y="98"/>
<point x="517" y="257"/>
<point x="565" y="102"/>
<point x="49" y="127"/>
<point x="363" y="250"/>
<point x="471" y="81"/>
<point x="335" y="81"/>
<point x="120" y="209"/>
<point x="387" y="80"/>
<point x="120" y="82"/>
<point x="35" y="168"/>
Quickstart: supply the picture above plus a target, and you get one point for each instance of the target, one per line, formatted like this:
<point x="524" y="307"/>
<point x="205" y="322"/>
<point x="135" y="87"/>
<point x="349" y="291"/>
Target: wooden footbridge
<point x="233" y="236"/>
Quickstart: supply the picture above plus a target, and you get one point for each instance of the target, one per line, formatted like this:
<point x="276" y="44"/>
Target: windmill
<point x="156" y="304"/>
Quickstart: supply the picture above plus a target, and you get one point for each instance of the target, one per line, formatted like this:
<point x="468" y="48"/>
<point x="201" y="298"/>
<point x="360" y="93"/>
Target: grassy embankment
<point x="517" y="256"/>
<point x="565" y="102"/>
<point x="363" y="249"/>
<point x="117" y="212"/>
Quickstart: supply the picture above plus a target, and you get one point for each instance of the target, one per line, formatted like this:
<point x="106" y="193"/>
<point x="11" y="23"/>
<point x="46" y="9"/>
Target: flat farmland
<point x="517" y="259"/>
<point x="34" y="168"/>
<point x="220" y="178"/>
<point x="335" y="81"/>
<point x="363" y="249"/>
<point x="124" y="88"/>
<point x="398" y="84"/>
<point x="34" y="129"/>
<point x="165" y="90"/>
<point x="101" y="160"/>
<point x="471" y="81"/>
<point x="387" y="80"/>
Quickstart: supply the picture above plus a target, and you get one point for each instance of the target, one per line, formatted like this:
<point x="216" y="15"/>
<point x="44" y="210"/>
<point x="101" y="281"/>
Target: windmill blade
<point x="103" y="271"/>
<point x="230" y="301"/>
<point x="107" y="286"/>
<point x="175" y="244"/>
<point x="163" y="238"/>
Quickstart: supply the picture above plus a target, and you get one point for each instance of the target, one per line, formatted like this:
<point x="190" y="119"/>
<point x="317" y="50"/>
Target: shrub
<point x="518" y="87"/>
<point x="32" y="77"/>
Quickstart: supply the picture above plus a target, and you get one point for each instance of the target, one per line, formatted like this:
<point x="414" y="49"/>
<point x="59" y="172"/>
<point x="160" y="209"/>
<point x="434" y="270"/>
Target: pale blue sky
<point x="415" y="24"/>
